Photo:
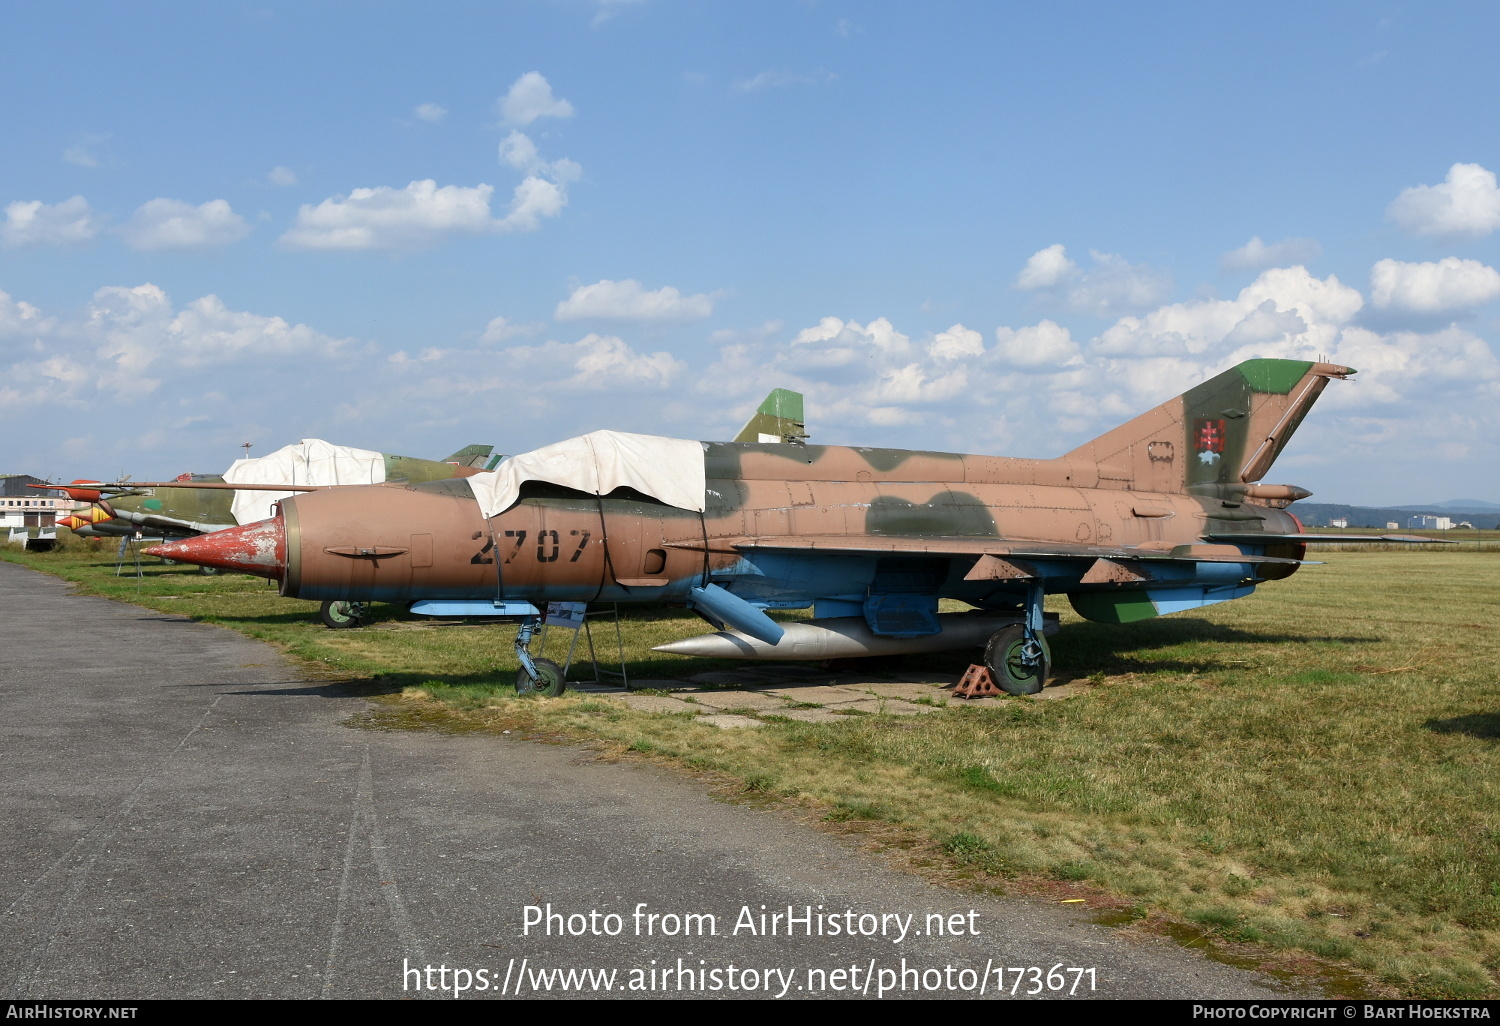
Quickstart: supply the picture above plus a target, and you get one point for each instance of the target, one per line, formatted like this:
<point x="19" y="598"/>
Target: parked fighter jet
<point x="1164" y="513"/>
<point x="194" y="504"/>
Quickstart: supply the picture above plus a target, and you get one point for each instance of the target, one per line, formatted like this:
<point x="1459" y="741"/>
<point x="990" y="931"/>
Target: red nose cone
<point x="258" y="548"/>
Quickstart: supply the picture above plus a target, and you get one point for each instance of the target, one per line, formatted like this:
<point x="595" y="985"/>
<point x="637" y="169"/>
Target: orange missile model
<point x="1165" y="513"/>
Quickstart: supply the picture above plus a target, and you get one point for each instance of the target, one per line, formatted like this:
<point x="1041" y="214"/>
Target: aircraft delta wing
<point x="1164" y="513"/>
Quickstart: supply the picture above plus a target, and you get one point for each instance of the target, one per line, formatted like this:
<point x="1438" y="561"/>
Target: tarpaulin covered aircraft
<point x="1164" y="513"/>
<point x="194" y="504"/>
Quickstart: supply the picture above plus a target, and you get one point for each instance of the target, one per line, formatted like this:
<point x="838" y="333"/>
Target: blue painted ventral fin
<point x="473" y="607"/>
<point x="733" y="611"/>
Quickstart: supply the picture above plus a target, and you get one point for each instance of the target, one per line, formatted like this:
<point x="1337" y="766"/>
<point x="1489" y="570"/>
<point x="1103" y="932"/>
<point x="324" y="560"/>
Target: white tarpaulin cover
<point x="668" y="469"/>
<point x="311" y="461"/>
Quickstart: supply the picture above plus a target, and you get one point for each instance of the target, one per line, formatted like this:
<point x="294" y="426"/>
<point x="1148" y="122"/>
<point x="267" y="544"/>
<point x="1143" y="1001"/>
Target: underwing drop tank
<point x="849" y="637"/>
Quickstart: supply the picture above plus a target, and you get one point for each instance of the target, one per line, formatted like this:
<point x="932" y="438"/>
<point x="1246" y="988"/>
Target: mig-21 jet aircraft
<point x="1165" y="513"/>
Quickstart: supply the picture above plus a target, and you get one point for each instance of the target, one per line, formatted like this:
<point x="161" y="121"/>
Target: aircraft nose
<point x="258" y="548"/>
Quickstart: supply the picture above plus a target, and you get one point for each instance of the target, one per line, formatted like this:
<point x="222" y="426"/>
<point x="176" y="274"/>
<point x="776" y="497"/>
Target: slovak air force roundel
<point x="1208" y="440"/>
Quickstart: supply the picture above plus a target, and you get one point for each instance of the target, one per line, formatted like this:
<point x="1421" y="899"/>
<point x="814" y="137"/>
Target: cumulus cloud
<point x="387" y="218"/>
<point x="85" y="152"/>
<point x="1112" y="286"/>
<point x="534" y="199"/>
<point x="1047" y="344"/>
<point x="533" y="374"/>
<point x="1284" y="312"/>
<point x="282" y="176"/>
<point x="1046" y="269"/>
<point x="1256" y="255"/>
<point x="530" y="97"/>
<point x="419" y="215"/>
<point x="957" y="343"/>
<point x="431" y="112"/>
<point x="68" y="223"/>
<point x="607" y="9"/>
<point x="628" y="300"/>
<point x="424" y="214"/>
<point x="517" y="150"/>
<point x="129" y="339"/>
<point x="780" y="78"/>
<point x="1446" y="286"/>
<point x="500" y="329"/>
<point x="1466" y="203"/>
<point x="171" y="225"/>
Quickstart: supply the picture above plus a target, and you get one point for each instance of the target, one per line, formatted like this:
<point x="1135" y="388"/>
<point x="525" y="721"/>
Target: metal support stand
<point x="128" y="543"/>
<point x="542" y="631"/>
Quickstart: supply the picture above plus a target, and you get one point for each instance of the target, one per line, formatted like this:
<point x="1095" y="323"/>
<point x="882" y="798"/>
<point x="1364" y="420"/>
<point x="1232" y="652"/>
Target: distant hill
<point x="1318" y="514"/>
<point x="1455" y="506"/>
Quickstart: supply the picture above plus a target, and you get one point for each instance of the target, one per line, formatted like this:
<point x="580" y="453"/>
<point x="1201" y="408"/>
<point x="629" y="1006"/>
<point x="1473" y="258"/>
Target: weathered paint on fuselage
<point x="564" y="546"/>
<point x="839" y="527"/>
<point x="175" y="510"/>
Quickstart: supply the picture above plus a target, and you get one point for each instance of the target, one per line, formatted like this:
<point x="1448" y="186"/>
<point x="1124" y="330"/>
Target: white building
<point x="29" y="517"/>
<point x="1339" y="522"/>
<point x="1430" y="523"/>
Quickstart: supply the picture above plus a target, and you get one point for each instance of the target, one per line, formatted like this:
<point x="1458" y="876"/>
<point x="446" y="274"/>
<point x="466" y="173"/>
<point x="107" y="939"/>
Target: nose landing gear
<point x="536" y="676"/>
<point x="339" y="614"/>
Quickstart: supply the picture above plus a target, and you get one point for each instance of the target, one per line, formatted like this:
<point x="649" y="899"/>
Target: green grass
<point x="1313" y="771"/>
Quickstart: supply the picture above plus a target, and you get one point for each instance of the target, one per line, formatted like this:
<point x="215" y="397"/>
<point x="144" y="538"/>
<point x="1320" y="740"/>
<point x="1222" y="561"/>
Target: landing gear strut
<point x="536" y="676"/>
<point x="1017" y="655"/>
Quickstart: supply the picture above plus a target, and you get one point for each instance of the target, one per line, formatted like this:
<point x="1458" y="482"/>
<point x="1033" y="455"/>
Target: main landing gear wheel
<point x="1006" y="656"/>
<point x="209" y="571"/>
<point x="340" y="614"/>
<point x="549" y="682"/>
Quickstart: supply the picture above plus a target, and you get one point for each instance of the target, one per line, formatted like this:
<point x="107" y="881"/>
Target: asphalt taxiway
<point x="186" y="816"/>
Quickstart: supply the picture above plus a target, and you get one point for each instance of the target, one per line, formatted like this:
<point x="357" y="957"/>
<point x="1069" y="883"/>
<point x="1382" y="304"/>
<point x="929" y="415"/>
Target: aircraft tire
<point x="1003" y="656"/>
<point x="209" y="571"/>
<point x="550" y="681"/>
<point x="340" y="614"/>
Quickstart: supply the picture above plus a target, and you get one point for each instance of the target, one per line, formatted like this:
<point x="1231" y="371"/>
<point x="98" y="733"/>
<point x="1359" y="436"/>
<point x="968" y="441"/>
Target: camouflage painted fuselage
<point x="1167" y="503"/>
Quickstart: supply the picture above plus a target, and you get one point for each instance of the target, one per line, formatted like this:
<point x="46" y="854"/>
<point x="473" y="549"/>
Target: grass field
<point x="1309" y="776"/>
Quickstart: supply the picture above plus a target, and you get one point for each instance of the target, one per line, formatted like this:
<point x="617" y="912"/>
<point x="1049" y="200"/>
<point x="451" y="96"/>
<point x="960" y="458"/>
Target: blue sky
<point x="979" y="227"/>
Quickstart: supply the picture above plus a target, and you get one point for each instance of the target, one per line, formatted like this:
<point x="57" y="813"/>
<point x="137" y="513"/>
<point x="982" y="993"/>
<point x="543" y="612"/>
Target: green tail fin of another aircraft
<point x="1223" y="433"/>
<point x="471" y="456"/>
<point x="778" y="419"/>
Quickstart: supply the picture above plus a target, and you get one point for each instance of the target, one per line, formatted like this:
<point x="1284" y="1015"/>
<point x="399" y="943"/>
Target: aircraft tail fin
<point x="1222" y="434"/>
<point x="778" y="419"/>
<point x="470" y="456"/>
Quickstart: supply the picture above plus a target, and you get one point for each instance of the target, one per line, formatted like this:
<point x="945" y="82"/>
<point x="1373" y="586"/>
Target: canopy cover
<point x="667" y="469"/>
<point x="311" y="461"/>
